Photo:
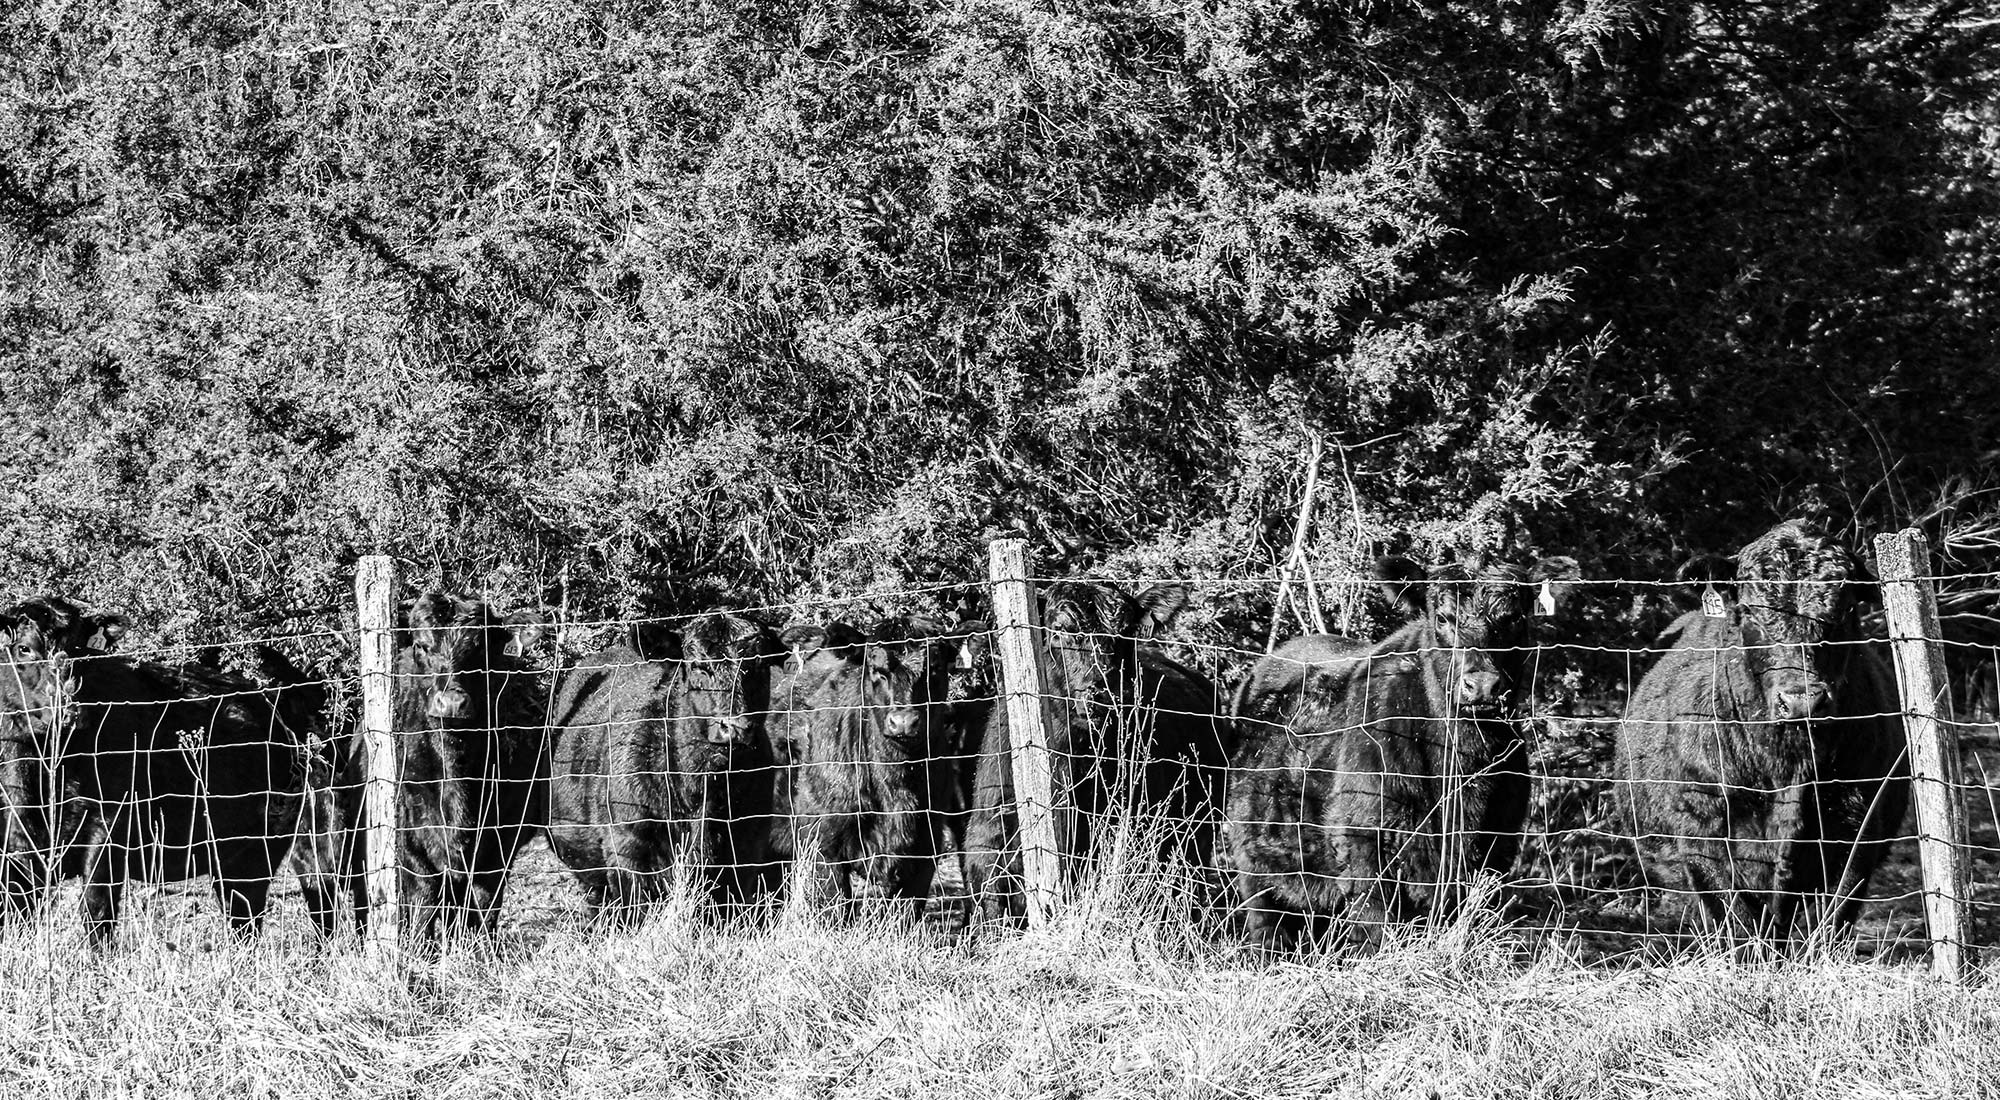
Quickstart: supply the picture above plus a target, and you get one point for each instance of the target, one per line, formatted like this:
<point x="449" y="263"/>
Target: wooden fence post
<point x="1017" y="638"/>
<point x="1909" y="600"/>
<point x="375" y="595"/>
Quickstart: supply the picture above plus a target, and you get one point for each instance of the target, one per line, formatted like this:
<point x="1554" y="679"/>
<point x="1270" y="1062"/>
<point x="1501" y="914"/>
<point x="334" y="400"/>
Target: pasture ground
<point x="1112" y="1002"/>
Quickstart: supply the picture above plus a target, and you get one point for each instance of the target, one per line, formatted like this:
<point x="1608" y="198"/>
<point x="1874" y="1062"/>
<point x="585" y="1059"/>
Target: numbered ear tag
<point x="1545" y="604"/>
<point x="1711" y="602"/>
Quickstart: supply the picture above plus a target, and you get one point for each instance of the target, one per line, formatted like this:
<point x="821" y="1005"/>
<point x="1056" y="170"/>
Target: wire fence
<point x="1746" y="772"/>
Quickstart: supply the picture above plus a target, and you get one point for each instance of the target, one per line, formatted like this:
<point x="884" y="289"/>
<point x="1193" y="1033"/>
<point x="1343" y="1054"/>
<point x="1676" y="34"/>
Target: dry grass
<point x="1109" y="1003"/>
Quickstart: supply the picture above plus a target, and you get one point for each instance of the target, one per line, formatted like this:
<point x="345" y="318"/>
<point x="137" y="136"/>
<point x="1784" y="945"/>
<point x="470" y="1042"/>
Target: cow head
<point x="727" y="684"/>
<point x="857" y="686"/>
<point x="42" y="638"/>
<point x="454" y="641"/>
<point x="1793" y="588"/>
<point x="1093" y="630"/>
<point x="1476" y="622"/>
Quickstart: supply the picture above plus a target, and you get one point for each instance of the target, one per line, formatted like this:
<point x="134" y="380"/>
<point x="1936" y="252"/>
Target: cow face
<point x="1793" y="587"/>
<point x="41" y="637"/>
<point x="1093" y="628"/>
<point x="865" y="685"/>
<point x="454" y="642"/>
<point x="1477" y="623"/>
<point x="723" y="654"/>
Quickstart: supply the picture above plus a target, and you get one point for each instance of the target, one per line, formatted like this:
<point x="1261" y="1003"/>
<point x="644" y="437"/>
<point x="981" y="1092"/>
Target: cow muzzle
<point x="736" y="729"/>
<point x="446" y="702"/>
<point x="901" y="724"/>
<point x="1481" y="694"/>
<point x="1812" y="700"/>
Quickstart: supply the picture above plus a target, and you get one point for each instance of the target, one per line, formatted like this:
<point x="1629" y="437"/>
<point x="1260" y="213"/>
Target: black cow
<point x="653" y="761"/>
<point x="118" y="769"/>
<point x="860" y="779"/>
<point x="1761" y="763"/>
<point x="1275" y="684"/>
<point x="1372" y="783"/>
<point x="471" y="721"/>
<point x="1130" y="729"/>
<point x="328" y="858"/>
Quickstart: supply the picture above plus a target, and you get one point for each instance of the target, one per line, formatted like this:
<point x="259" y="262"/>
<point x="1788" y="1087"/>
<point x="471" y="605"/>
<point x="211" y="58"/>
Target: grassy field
<point x="1110" y="1003"/>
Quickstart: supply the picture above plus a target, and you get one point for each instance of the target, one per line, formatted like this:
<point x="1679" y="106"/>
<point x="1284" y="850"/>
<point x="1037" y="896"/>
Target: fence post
<point x="1017" y="638"/>
<point x="1903" y="562"/>
<point x="375" y="595"/>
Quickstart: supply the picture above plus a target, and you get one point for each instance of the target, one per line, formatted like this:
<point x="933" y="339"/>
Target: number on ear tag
<point x="1545" y="604"/>
<point x="1711" y="602"/>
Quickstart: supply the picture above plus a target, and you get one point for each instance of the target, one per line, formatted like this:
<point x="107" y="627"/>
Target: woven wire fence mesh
<point x="850" y="756"/>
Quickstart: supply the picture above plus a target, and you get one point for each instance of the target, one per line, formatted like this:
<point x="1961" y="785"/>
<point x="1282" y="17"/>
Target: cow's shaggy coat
<point x="1761" y="762"/>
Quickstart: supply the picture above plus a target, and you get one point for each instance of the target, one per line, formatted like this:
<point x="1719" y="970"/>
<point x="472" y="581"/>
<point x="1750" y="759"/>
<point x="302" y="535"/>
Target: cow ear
<point x="653" y="641"/>
<point x="1557" y="580"/>
<point x="104" y="632"/>
<point x="403" y="613"/>
<point x="975" y="643"/>
<point x="742" y="634"/>
<point x="527" y="627"/>
<point x="1402" y="581"/>
<point x="844" y="636"/>
<point x="1159" y="606"/>
<point x="1710" y="579"/>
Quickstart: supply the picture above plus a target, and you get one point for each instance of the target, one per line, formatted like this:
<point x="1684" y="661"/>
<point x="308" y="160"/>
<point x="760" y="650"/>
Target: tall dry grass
<point x="1111" y="1001"/>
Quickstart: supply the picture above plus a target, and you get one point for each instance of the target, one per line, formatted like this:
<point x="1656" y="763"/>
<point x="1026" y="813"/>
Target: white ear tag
<point x="1711" y="602"/>
<point x="1545" y="604"/>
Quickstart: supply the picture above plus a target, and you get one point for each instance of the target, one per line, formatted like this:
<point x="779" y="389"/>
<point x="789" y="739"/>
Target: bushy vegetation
<point x="633" y="306"/>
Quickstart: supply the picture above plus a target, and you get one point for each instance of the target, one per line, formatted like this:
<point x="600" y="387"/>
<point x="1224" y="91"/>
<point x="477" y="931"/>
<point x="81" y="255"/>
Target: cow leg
<point x="103" y="891"/>
<point x="1267" y="923"/>
<point x="827" y="877"/>
<point x="24" y="879"/>
<point x="423" y="895"/>
<point x="321" y="893"/>
<point x="900" y="857"/>
<point x="357" y="891"/>
<point x="484" y="895"/>
<point x="243" y="902"/>
<point x="642" y="866"/>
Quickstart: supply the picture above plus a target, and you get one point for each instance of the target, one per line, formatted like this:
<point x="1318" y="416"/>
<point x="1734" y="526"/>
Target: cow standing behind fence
<point x="1761" y="763"/>
<point x="471" y="721"/>
<point x="1374" y="781"/>
<point x="138" y="770"/>
<point x="1135" y="729"/>
<point x="329" y="857"/>
<point x="653" y="762"/>
<point x="857" y="741"/>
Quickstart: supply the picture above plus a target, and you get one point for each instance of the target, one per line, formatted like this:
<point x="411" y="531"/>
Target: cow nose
<point x="901" y="722"/>
<point x="446" y="703"/>
<point x="1481" y="689"/>
<point x="1811" y="701"/>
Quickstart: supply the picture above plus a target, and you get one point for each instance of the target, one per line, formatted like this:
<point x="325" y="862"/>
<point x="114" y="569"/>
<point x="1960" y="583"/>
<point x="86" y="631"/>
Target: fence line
<point x="1564" y="851"/>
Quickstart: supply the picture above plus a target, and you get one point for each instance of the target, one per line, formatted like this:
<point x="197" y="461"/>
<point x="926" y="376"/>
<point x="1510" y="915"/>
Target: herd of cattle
<point x="1345" y="784"/>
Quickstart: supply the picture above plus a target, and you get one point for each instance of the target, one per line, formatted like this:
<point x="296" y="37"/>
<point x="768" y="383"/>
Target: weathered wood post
<point x="1903" y="562"/>
<point x="375" y="595"/>
<point x="1017" y="630"/>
